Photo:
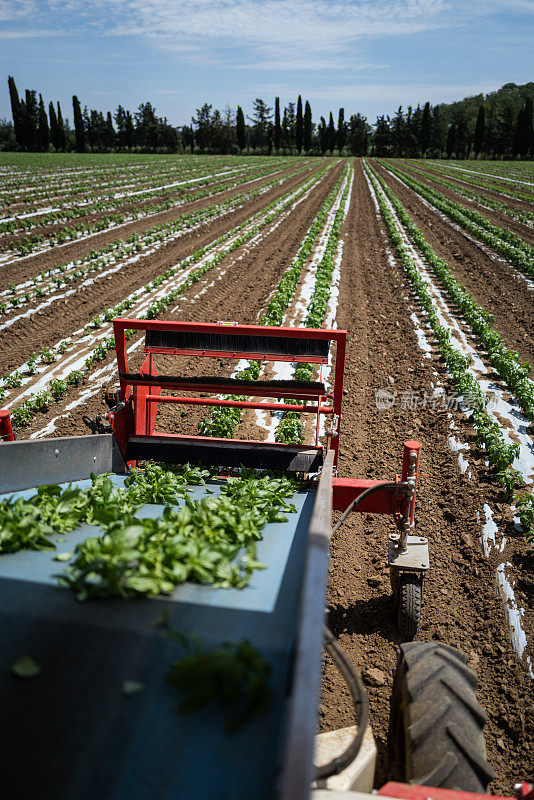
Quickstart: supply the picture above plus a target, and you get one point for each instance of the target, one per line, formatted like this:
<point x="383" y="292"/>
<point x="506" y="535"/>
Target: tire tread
<point x="434" y="704"/>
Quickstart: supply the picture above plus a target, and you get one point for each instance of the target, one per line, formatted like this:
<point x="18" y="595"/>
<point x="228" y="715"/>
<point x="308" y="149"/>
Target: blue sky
<point x="369" y="56"/>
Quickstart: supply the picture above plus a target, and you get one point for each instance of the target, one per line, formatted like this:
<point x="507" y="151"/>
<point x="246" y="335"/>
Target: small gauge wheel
<point x="409" y="600"/>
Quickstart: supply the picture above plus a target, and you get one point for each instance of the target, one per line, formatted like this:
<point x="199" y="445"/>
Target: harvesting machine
<point x="70" y="732"/>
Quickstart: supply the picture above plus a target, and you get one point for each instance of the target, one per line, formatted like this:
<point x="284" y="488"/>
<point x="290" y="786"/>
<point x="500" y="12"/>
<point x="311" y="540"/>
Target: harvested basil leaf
<point x="25" y="667"/>
<point x="131" y="688"/>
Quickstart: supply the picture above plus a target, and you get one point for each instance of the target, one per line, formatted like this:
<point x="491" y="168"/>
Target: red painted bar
<point x="409" y="446"/>
<point x="170" y="351"/>
<point x="405" y="791"/>
<point x="6" y="431"/>
<point x="345" y="490"/>
<point x="204" y="401"/>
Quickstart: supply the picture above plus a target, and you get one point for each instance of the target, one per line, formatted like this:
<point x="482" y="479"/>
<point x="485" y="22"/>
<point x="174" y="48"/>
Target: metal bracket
<point x="414" y="558"/>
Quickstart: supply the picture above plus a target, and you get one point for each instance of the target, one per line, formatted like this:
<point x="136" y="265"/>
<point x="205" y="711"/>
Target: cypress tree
<point x="15" y="109"/>
<point x="43" y="132"/>
<point x="30" y="119"/>
<point x="425" y="129"/>
<point x="341" y="132"/>
<point x="307" y="127"/>
<point x="451" y="141"/>
<point x="60" y="129"/>
<point x="240" y="129"/>
<point x="79" y="128"/>
<point x="323" y="136"/>
<point x="130" y="132"/>
<point x="277" y="126"/>
<point x="53" y="126"/>
<point x="479" y="131"/>
<point x="331" y="134"/>
<point x="300" y="125"/>
<point x="110" y="133"/>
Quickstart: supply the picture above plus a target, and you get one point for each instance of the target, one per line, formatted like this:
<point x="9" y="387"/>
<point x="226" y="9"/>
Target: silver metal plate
<point x="34" y="462"/>
<point x="415" y="557"/>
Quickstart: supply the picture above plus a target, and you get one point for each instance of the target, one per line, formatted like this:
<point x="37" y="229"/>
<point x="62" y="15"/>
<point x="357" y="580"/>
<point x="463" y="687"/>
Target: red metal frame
<point x="146" y="395"/>
<point x="142" y="398"/>
<point x="6" y="431"/>
<point x="404" y="791"/>
<point x="387" y="502"/>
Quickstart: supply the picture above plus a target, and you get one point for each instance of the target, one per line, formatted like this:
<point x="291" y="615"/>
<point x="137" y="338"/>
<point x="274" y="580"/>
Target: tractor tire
<point x="436" y="725"/>
<point x="409" y="600"/>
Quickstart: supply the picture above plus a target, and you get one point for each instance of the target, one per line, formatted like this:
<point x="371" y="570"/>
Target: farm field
<point x="429" y="265"/>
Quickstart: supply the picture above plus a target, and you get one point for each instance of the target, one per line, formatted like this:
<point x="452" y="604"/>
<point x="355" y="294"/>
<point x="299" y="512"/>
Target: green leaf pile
<point x="211" y="541"/>
<point x="28" y="524"/>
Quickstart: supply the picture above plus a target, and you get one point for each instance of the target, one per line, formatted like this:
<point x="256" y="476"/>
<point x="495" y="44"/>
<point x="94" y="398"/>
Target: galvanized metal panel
<point x="302" y="723"/>
<point x="87" y="740"/>
<point x="415" y="557"/>
<point x="34" y="462"/>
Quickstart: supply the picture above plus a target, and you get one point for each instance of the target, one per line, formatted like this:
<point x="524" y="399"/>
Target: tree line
<point x="499" y="125"/>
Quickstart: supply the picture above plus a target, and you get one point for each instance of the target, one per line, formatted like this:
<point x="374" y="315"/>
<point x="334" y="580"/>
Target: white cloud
<point x="284" y="35"/>
<point x="11" y="10"/>
<point x="409" y="93"/>
<point x="288" y="35"/>
<point x="31" y="33"/>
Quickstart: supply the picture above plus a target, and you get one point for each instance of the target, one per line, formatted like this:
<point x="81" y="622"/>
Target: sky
<point x="368" y="56"/>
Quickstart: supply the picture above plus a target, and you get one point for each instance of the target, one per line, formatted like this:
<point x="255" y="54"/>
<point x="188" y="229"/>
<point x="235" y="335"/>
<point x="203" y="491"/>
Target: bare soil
<point x="47" y="326"/>
<point x="494" y="285"/>
<point x="495" y="217"/>
<point x="460" y="604"/>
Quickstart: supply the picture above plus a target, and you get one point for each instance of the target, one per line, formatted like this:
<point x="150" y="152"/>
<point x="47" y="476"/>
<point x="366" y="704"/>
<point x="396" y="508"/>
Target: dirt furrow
<point x="495" y="217"/>
<point x="24" y="269"/>
<point x="512" y="202"/>
<point x="460" y="604"/>
<point x="493" y="285"/>
<point x="240" y="295"/>
<point x="47" y="326"/>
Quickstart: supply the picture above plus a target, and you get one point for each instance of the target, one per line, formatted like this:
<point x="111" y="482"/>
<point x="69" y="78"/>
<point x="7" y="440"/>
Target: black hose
<point x="361" y="707"/>
<point x="347" y="668"/>
<point x="379" y="487"/>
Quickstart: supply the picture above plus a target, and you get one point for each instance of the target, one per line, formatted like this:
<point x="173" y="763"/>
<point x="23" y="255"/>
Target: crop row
<point x="517" y="172"/>
<point x="291" y="427"/>
<point x="505" y="189"/>
<point x="94" y="205"/>
<point x="103" y="266"/>
<point x="29" y="244"/>
<point x="506" y="168"/>
<point x="503" y="241"/>
<point x="223" y="421"/>
<point x="98" y="201"/>
<point x="238" y="236"/>
<point x="484" y="200"/>
<point x="505" y="362"/>
<point x="96" y="261"/>
<point x="435" y="197"/>
<point x="31" y="199"/>
<point x="488" y="432"/>
<point x="50" y="188"/>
